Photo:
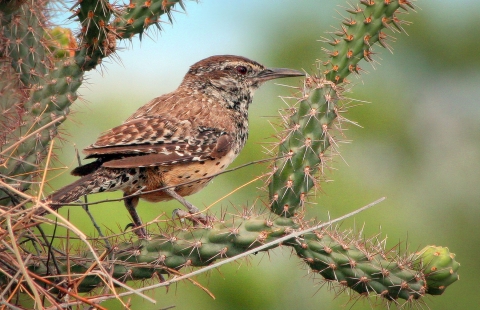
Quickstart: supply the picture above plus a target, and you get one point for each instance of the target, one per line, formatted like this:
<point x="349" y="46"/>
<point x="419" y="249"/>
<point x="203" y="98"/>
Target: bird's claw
<point x="138" y="230"/>
<point x="180" y="214"/>
<point x="195" y="218"/>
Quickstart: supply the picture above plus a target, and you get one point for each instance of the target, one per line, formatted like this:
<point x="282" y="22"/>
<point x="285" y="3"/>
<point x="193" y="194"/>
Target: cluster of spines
<point x="359" y="32"/>
<point x="96" y="39"/>
<point x="362" y="265"/>
<point x="350" y="261"/>
<point x="26" y="46"/>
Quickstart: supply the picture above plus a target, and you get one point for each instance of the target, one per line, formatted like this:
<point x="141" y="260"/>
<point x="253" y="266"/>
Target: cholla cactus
<point x="42" y="68"/>
<point x="308" y="138"/>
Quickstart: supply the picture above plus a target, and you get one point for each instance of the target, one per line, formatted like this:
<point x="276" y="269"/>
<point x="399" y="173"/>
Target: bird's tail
<point x="72" y="192"/>
<point x="101" y="180"/>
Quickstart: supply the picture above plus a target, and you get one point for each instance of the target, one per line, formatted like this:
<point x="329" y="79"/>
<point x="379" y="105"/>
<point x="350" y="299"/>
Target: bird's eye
<point x="242" y="70"/>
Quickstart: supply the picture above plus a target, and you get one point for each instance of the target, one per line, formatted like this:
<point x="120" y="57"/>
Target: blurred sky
<point x="419" y="144"/>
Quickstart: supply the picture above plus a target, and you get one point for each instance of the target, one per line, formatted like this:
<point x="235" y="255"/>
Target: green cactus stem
<point x="439" y="267"/>
<point x="45" y="68"/>
<point x="140" y="14"/>
<point x="303" y="145"/>
<point x="99" y="32"/>
<point x="359" y="32"/>
<point x="308" y="124"/>
<point x="340" y="257"/>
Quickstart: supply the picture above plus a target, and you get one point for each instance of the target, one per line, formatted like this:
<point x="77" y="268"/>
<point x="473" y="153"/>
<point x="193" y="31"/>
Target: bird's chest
<point x="239" y="120"/>
<point x="187" y="178"/>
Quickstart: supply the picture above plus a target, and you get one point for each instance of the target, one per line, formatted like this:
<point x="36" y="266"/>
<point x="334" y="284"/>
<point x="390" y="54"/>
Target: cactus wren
<point x="190" y="134"/>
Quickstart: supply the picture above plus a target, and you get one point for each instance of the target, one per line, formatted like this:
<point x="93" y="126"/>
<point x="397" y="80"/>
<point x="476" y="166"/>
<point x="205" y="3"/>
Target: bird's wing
<point x="158" y="141"/>
<point x="141" y="134"/>
<point x="176" y="154"/>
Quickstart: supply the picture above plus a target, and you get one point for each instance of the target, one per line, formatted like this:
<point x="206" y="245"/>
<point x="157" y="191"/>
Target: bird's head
<point x="233" y="78"/>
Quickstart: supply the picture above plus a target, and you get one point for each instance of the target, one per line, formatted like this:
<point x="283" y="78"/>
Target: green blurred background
<point x="419" y="144"/>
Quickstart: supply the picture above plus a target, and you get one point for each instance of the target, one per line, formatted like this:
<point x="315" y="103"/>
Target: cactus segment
<point x="303" y="145"/>
<point x="96" y="39"/>
<point x="99" y="32"/>
<point x="364" y="268"/>
<point x="49" y="69"/>
<point x="341" y="258"/>
<point x="307" y="135"/>
<point x="140" y="14"/>
<point x="439" y="266"/>
<point x="358" y="33"/>
<point x="26" y="46"/>
<point x="49" y="101"/>
<point x="41" y="85"/>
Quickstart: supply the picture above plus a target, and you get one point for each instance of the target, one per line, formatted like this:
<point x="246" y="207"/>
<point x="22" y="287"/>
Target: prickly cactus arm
<point x="44" y="87"/>
<point x="363" y="267"/>
<point x="303" y="144"/>
<point x="25" y="43"/>
<point x="439" y="267"/>
<point x="48" y="102"/>
<point x="48" y="74"/>
<point x="140" y="14"/>
<point x="96" y="41"/>
<point x="99" y="33"/>
<point x="175" y="249"/>
<point x="358" y="33"/>
<point x="9" y="97"/>
<point x="347" y="260"/>
<point x="307" y="134"/>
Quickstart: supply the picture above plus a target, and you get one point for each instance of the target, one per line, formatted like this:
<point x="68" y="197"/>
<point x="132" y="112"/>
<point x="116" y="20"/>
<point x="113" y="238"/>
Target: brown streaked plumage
<point x="191" y="133"/>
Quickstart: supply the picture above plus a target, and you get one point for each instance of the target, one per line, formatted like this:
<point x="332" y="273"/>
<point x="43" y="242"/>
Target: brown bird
<point x="190" y="134"/>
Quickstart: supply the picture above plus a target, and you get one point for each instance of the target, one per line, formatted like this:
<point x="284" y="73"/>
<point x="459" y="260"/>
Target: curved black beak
<point x="277" y="73"/>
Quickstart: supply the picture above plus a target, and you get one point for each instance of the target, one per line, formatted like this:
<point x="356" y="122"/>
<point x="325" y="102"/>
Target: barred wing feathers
<point x="158" y="141"/>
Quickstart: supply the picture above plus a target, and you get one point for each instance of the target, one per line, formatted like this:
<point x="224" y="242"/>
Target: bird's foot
<point x="193" y="213"/>
<point x="137" y="226"/>
<point x="191" y="208"/>
<point x="140" y="231"/>
<point x="196" y="218"/>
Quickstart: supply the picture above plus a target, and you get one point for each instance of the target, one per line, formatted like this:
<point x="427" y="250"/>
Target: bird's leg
<point x="198" y="217"/>
<point x="131" y="203"/>
<point x="191" y="208"/>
